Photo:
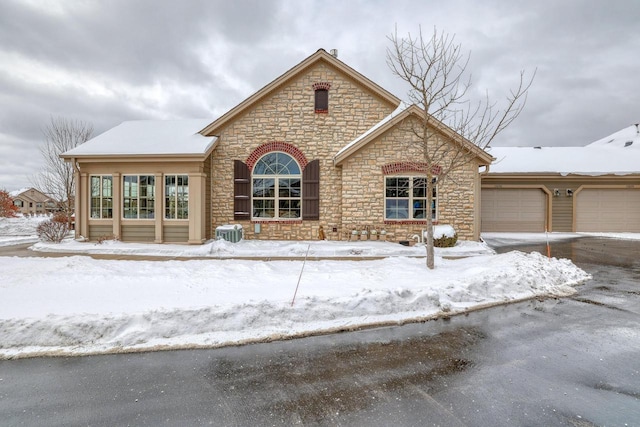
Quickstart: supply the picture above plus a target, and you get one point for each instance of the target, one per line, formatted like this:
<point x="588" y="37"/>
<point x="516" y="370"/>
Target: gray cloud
<point x="106" y="62"/>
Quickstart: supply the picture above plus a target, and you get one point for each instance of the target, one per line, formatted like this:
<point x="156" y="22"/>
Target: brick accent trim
<point x="277" y="221"/>
<point x="403" y="221"/>
<point x="420" y="167"/>
<point x="284" y="147"/>
<point x="321" y="86"/>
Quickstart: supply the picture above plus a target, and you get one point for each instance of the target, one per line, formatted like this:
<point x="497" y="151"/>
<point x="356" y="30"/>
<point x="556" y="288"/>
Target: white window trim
<point x="276" y="197"/>
<point x="434" y="200"/>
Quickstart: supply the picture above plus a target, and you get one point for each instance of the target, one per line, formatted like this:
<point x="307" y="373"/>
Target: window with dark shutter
<point x="311" y="191"/>
<point x="322" y="101"/>
<point x="241" y="191"/>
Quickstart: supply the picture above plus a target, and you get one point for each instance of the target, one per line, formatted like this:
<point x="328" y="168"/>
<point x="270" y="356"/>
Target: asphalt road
<point x="558" y="362"/>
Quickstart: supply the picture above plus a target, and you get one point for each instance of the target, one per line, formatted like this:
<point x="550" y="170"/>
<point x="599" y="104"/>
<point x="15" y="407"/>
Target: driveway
<point x="560" y="362"/>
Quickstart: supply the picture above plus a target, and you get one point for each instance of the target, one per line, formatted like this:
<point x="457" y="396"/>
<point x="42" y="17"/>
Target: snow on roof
<point x="150" y="137"/>
<point x="565" y="160"/>
<point x="628" y="137"/>
<point x="403" y="106"/>
<point x="16" y="193"/>
<point x="616" y="154"/>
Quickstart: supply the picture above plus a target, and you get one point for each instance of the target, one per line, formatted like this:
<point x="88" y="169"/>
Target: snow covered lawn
<point x="80" y="305"/>
<point x="15" y="231"/>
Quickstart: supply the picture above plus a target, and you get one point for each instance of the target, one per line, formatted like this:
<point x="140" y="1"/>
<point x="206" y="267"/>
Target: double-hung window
<point x="101" y="197"/>
<point x="406" y="198"/>
<point x="276" y="187"/>
<point x="176" y="196"/>
<point x="138" y="196"/>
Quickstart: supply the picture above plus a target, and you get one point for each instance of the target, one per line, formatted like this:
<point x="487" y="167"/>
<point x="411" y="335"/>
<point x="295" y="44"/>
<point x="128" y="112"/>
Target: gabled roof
<point x="16" y="193"/>
<point x="320" y="56"/>
<point x="628" y="138"/>
<point x="29" y="193"/>
<point x="146" y="138"/>
<point x="402" y="112"/>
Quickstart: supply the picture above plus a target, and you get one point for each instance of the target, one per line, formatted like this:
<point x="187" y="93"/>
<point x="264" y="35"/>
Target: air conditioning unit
<point x="229" y="232"/>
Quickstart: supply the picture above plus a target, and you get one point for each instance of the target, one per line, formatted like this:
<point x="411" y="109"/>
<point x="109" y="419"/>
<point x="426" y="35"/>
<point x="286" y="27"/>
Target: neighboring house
<point x="321" y="146"/>
<point x="32" y="202"/>
<point x="595" y="188"/>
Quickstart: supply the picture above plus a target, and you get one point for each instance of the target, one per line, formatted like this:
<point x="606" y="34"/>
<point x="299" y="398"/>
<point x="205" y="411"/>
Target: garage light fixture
<point x="556" y="192"/>
<point x="569" y="192"/>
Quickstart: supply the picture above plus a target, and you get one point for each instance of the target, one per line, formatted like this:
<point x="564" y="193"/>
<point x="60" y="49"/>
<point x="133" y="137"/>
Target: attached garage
<point x="608" y="210"/>
<point x="513" y="209"/>
<point x="595" y="188"/>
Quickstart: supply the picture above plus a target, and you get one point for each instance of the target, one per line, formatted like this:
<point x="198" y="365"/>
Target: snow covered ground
<point x="80" y="305"/>
<point x="15" y="231"/>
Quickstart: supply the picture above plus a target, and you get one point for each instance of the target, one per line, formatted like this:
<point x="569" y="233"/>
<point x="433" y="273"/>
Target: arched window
<point x="276" y="187"/>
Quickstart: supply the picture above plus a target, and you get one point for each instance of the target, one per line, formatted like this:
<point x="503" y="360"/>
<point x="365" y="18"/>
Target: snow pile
<point x="80" y="305"/>
<point x="22" y="229"/>
<point x="231" y="295"/>
<point x="440" y="231"/>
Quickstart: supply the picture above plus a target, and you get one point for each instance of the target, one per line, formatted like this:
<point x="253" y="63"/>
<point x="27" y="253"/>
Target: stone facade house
<point x="321" y="150"/>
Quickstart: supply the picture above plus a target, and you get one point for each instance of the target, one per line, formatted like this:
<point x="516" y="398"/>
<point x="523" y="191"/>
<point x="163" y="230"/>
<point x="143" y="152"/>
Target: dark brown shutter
<point x="322" y="101"/>
<point x="311" y="191"/>
<point x="241" y="191"/>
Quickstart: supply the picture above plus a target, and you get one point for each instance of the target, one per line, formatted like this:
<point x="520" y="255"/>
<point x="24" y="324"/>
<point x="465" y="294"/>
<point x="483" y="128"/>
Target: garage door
<point x="513" y="209"/>
<point x="608" y="210"/>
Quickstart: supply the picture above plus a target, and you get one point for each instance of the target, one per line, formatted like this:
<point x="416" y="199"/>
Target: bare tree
<point x="57" y="179"/>
<point x="451" y="129"/>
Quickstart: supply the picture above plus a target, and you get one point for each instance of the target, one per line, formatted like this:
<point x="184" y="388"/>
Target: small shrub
<point x="446" y="242"/>
<point x="54" y="229"/>
<point x="100" y="240"/>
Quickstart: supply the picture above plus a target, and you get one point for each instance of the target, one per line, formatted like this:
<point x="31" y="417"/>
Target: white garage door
<point x="513" y="209"/>
<point x="608" y="210"/>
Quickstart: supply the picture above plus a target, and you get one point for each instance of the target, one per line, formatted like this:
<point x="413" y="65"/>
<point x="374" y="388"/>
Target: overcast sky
<point x="104" y="62"/>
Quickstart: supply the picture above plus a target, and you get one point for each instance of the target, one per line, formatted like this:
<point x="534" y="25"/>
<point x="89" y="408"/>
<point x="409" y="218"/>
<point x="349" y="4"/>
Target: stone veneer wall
<point x="287" y="115"/>
<point x="363" y="189"/>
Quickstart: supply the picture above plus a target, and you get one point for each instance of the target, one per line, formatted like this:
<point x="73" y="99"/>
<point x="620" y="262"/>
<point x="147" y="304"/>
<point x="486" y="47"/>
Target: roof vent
<point x="637" y="128"/>
<point x="628" y="143"/>
<point x="334" y="53"/>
